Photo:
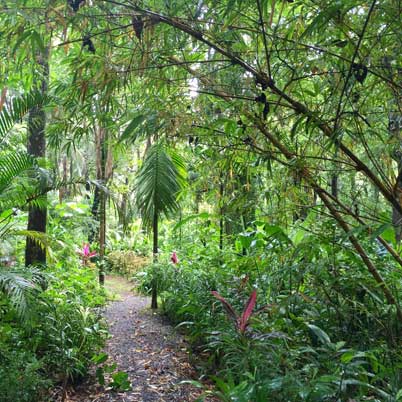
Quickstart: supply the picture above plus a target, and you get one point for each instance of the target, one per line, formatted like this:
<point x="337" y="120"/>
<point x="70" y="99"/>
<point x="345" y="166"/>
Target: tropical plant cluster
<point x="309" y="333"/>
<point x="250" y="149"/>
<point x="49" y="327"/>
<point x="48" y="337"/>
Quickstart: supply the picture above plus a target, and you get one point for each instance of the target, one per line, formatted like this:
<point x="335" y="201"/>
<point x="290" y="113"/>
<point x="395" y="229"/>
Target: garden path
<point x="145" y="347"/>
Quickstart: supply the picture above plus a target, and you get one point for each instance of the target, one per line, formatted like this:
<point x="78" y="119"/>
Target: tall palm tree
<point x="159" y="181"/>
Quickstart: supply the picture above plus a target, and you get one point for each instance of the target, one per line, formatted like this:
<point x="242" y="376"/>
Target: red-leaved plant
<point x="242" y="321"/>
<point x="86" y="254"/>
<point x="174" y="258"/>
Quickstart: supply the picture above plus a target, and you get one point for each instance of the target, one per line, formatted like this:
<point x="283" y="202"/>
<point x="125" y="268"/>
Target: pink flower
<point x="174" y="258"/>
<point x="86" y="254"/>
<point x="85" y="250"/>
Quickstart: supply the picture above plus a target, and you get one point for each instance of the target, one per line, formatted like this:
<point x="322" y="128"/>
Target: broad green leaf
<point x="100" y="358"/>
<point x="128" y="132"/>
<point x="320" y="334"/>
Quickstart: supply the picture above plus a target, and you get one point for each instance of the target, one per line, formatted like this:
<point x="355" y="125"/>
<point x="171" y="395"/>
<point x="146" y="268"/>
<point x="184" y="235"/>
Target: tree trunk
<point x="396" y="216"/>
<point x="154" y="300"/>
<point x="63" y="192"/>
<point x="102" y="236"/>
<point x="101" y="157"/>
<point x="122" y="210"/>
<point x="395" y="132"/>
<point x="221" y="213"/>
<point x="94" y="230"/>
<point x="36" y="146"/>
<point x="334" y="185"/>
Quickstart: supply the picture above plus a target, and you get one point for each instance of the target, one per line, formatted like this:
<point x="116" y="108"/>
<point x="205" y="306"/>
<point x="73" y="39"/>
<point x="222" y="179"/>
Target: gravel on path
<point x="148" y="349"/>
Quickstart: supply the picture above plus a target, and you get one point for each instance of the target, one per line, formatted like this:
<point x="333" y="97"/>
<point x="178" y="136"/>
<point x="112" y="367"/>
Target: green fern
<point x="20" y="175"/>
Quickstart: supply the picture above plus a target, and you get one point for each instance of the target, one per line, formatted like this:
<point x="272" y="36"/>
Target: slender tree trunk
<point x="396" y="216"/>
<point x="221" y="213"/>
<point x="334" y="185"/>
<point x="395" y="127"/>
<point x="154" y="300"/>
<point x="3" y="97"/>
<point x="296" y="215"/>
<point x="94" y="230"/>
<point x="335" y="176"/>
<point x="36" y="146"/>
<point x="101" y="156"/>
<point x="197" y="201"/>
<point x="63" y="192"/>
<point x="123" y="209"/>
<point x="102" y="236"/>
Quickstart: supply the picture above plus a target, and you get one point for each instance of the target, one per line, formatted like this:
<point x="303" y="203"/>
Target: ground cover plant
<point x="240" y="160"/>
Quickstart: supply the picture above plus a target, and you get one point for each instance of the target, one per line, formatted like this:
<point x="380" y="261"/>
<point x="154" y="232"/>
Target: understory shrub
<point x="21" y="376"/>
<point x="320" y="330"/>
<point x="126" y="262"/>
<point x="66" y="336"/>
<point x="55" y="339"/>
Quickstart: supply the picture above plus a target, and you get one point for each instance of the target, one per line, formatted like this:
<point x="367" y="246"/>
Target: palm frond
<point x="21" y="181"/>
<point x="42" y="239"/>
<point x="159" y="181"/>
<point x="18" y="285"/>
<point x="17" y="109"/>
<point x="13" y="165"/>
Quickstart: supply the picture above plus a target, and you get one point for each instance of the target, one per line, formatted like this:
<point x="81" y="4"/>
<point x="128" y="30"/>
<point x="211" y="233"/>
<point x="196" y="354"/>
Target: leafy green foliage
<point x="159" y="180"/>
<point x="305" y="346"/>
<point x="67" y="335"/>
<point x="20" y="286"/>
<point x="17" y="109"/>
<point x="20" y="177"/>
<point x="119" y="379"/>
<point x="60" y="331"/>
<point x="288" y="115"/>
<point x="126" y="262"/>
<point x="20" y="376"/>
